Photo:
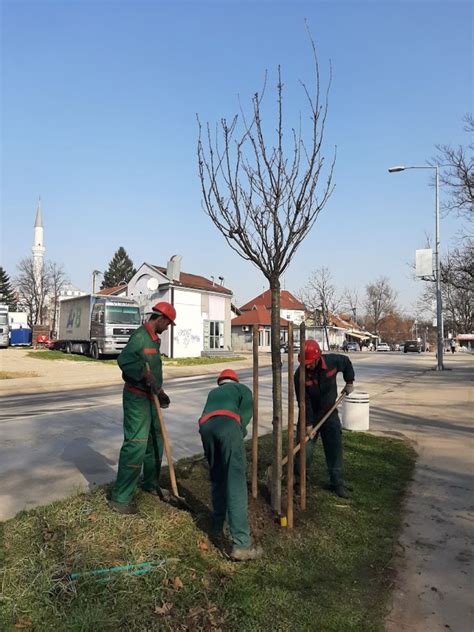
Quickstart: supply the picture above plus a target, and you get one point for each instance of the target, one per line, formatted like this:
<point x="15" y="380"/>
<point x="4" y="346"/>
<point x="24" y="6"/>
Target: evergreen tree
<point x="7" y="294"/>
<point x="120" y="270"/>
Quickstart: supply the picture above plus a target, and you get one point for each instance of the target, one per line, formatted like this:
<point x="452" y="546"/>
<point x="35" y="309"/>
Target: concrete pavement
<point x="434" y="582"/>
<point x="55" y="375"/>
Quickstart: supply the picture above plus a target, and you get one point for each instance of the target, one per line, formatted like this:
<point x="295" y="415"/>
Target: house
<point x="290" y="307"/>
<point x="203" y="307"/>
<point x="242" y="326"/>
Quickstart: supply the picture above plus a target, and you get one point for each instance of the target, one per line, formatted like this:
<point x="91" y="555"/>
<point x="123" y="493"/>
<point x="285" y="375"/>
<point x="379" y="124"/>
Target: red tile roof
<point x="287" y="301"/>
<point x="109" y="291"/>
<point x="196" y="282"/>
<point x="259" y="316"/>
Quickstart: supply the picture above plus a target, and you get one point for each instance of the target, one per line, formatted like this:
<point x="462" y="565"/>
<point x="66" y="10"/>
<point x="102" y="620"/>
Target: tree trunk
<point x="276" y="395"/>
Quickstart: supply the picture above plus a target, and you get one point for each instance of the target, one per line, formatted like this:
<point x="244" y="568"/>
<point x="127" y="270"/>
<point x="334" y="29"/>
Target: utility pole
<point x="437" y="272"/>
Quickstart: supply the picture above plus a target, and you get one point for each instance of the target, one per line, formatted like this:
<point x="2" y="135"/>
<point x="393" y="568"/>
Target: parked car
<point x="383" y="346"/>
<point x="296" y="346"/>
<point x="411" y="345"/>
<point x="352" y="346"/>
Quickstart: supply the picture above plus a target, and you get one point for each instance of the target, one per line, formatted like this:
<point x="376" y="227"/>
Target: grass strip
<point x="331" y="573"/>
<point x="47" y="354"/>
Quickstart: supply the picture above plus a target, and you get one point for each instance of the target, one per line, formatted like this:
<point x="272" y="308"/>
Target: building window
<point x="216" y="334"/>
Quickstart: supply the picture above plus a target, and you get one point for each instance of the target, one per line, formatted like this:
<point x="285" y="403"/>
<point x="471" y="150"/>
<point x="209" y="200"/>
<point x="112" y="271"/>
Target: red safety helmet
<point x="312" y="352"/>
<point x="166" y="309"/>
<point x="227" y="374"/>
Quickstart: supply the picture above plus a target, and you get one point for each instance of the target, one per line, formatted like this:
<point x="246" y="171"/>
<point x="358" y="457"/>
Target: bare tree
<point x="33" y="285"/>
<point x="457" y="283"/>
<point x="458" y="174"/>
<point x="261" y="192"/>
<point x="58" y="280"/>
<point x="379" y="301"/>
<point x="39" y="290"/>
<point x="351" y="302"/>
<point x="320" y="296"/>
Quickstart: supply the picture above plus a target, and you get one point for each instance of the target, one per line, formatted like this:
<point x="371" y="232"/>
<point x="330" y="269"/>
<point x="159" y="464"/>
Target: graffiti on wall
<point x="186" y="337"/>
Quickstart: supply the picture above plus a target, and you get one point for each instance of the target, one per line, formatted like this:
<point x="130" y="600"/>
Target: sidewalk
<point x="55" y="375"/>
<point x="434" y="581"/>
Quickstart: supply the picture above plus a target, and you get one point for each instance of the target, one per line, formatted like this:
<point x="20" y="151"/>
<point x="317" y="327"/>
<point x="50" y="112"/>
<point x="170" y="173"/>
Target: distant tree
<point x="7" y="293"/>
<point x="33" y="288"/>
<point x="457" y="289"/>
<point x="320" y="297"/>
<point x="351" y="302"/>
<point x="457" y="174"/>
<point x="57" y="281"/>
<point x="262" y="189"/>
<point x="395" y="328"/>
<point x="120" y="270"/>
<point x="379" y="301"/>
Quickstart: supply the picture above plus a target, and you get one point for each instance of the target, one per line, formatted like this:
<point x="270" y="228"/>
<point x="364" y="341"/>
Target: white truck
<point x="96" y="325"/>
<point x="4" y="326"/>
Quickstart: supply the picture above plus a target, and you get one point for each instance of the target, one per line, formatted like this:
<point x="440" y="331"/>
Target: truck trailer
<point x="96" y="325"/>
<point x="4" y="326"/>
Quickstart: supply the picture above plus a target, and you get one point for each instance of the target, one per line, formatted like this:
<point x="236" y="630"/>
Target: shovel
<point x="311" y="436"/>
<point x="169" y="457"/>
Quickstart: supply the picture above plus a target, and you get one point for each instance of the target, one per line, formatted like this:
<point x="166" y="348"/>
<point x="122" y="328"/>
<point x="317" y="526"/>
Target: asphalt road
<point x="53" y="443"/>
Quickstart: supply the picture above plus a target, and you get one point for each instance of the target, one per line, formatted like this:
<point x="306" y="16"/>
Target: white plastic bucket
<point x="355" y="412"/>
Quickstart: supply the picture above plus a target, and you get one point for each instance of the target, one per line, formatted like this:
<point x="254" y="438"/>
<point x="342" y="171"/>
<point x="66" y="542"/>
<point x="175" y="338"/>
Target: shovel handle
<point x="166" y="442"/>
<point x="314" y="431"/>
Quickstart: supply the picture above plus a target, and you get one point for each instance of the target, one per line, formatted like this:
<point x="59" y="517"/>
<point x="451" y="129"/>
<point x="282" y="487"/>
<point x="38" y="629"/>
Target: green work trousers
<point x="142" y="447"/>
<point x="331" y="435"/>
<point x="225" y="452"/>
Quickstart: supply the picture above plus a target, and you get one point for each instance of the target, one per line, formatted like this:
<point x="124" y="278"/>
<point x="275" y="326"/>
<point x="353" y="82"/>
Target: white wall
<point x="295" y="315"/>
<point x="188" y="331"/>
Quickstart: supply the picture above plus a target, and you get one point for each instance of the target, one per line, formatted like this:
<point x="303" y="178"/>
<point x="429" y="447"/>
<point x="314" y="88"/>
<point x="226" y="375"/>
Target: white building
<point x="203" y="308"/>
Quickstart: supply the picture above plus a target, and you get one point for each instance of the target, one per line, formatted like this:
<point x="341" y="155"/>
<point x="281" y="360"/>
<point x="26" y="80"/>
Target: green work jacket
<point x="143" y="346"/>
<point x="321" y="385"/>
<point x="231" y="397"/>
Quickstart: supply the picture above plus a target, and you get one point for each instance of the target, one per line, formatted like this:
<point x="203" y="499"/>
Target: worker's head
<point x="164" y="315"/>
<point x="312" y="354"/>
<point x="227" y="375"/>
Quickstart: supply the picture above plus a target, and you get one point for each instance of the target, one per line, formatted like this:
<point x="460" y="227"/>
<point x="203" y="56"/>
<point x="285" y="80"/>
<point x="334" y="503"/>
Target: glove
<point x="348" y="388"/>
<point x="163" y="399"/>
<point x="151" y="383"/>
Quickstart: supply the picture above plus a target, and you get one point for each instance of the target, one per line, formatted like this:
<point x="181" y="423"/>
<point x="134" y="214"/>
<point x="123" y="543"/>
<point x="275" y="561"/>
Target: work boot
<point x="122" y="508"/>
<point x="341" y="491"/>
<point x="332" y="488"/>
<point x="160" y="494"/>
<point x="240" y="554"/>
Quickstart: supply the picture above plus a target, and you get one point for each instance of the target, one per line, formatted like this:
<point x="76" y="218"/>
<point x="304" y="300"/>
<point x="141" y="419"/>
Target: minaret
<point x="38" y="247"/>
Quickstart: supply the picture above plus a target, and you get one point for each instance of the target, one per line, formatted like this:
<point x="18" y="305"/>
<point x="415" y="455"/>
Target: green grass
<point x="331" y="573"/>
<point x="46" y="354"/>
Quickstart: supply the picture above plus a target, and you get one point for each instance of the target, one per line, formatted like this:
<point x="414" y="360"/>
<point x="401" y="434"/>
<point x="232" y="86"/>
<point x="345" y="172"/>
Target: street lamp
<point x="439" y="318"/>
<point x="94" y="274"/>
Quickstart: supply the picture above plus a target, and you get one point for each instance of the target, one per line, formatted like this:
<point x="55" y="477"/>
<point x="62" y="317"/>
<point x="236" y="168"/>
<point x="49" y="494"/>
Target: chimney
<point x="173" y="269"/>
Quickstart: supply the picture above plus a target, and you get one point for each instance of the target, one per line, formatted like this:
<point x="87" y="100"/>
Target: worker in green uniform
<point x="321" y="395"/>
<point x="143" y="444"/>
<point x="223" y="426"/>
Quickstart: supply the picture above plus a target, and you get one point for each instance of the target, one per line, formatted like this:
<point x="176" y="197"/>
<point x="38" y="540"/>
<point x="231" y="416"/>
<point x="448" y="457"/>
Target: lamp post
<point x="94" y="275"/>
<point x="439" y="317"/>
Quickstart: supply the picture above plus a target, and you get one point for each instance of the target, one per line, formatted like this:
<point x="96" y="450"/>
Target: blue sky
<point x="99" y="103"/>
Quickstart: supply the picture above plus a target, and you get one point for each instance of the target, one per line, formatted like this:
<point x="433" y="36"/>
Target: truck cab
<point x="112" y="324"/>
